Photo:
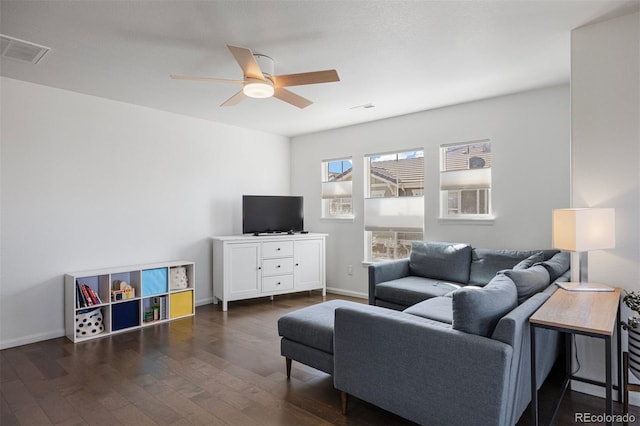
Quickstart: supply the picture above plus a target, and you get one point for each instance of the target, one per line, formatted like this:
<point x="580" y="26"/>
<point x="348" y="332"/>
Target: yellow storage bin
<point x="180" y="304"/>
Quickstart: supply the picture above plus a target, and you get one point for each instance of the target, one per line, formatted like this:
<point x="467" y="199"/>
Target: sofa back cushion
<point x="530" y="261"/>
<point x="441" y="261"/>
<point x="528" y="281"/>
<point x="557" y="265"/>
<point x="478" y="310"/>
<point x="486" y="263"/>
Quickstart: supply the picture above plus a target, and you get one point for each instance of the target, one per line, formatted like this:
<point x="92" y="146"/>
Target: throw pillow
<point x="557" y="265"/>
<point x="440" y="261"/>
<point x="478" y="310"/>
<point x="530" y="261"/>
<point x="528" y="281"/>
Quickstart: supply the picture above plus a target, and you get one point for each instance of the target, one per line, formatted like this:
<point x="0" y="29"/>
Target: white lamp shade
<point x="336" y="189"/>
<point x="465" y="179"/>
<point x="401" y="214"/>
<point x="584" y="229"/>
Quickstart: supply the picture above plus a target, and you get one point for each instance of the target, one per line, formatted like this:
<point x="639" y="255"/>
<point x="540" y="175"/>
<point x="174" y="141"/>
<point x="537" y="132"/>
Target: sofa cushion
<point x="436" y="308"/>
<point x="557" y="265"/>
<point x="312" y="326"/>
<point x="440" y="261"/>
<point x="530" y="261"/>
<point x="410" y="290"/>
<point x="478" y="310"/>
<point x="486" y="263"/>
<point x="528" y="281"/>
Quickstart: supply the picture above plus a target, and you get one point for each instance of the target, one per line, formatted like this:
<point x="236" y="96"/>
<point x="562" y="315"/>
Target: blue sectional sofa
<point x="454" y="349"/>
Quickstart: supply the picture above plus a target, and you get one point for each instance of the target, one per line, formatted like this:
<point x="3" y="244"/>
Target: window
<point x="394" y="204"/>
<point x="465" y="179"/>
<point x="336" y="188"/>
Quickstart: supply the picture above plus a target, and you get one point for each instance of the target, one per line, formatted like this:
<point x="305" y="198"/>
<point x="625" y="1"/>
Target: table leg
<point x="534" y="387"/>
<point x="619" y="355"/>
<point x="609" y="389"/>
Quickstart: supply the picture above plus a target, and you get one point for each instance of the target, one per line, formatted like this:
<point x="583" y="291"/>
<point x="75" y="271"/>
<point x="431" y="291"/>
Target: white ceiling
<point x="401" y="56"/>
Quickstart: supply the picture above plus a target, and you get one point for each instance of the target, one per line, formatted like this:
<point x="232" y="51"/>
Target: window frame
<point x="445" y="210"/>
<point x="325" y="178"/>
<point x="399" y="231"/>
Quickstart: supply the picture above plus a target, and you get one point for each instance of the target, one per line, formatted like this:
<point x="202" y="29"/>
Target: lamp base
<point x="584" y="287"/>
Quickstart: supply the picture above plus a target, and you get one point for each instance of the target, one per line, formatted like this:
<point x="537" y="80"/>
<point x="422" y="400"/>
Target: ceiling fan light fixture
<point x="258" y="89"/>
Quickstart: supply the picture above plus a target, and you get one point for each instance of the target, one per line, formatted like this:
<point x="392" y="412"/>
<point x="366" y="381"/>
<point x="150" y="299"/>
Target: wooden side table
<point x="595" y="314"/>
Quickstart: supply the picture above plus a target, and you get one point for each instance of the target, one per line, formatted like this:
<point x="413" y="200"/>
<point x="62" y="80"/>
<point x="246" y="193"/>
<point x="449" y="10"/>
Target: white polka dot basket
<point x="89" y="322"/>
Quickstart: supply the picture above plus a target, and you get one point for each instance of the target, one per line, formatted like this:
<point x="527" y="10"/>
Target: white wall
<point x="530" y="143"/>
<point x="605" y="74"/>
<point x="89" y="183"/>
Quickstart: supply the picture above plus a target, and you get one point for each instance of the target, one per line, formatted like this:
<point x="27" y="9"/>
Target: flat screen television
<point x="272" y="214"/>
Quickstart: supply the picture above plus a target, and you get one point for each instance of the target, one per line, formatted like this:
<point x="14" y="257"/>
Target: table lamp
<point x="582" y="230"/>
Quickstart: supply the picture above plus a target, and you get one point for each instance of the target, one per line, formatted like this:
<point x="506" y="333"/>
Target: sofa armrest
<point x="420" y="369"/>
<point x="386" y="271"/>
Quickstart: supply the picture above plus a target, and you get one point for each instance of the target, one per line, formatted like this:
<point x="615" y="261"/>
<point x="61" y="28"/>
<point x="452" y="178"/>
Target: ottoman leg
<point x="288" y="363"/>
<point x="344" y="399"/>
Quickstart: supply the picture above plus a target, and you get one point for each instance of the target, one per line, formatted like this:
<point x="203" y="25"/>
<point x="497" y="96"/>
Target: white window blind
<point x="465" y="179"/>
<point x="338" y="189"/>
<point x="399" y="214"/>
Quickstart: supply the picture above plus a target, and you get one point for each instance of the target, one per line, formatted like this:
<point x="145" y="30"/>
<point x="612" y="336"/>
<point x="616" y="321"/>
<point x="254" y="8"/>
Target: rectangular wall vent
<point x="21" y="50"/>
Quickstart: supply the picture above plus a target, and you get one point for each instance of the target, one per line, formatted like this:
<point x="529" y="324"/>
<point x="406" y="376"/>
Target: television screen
<point x="272" y="213"/>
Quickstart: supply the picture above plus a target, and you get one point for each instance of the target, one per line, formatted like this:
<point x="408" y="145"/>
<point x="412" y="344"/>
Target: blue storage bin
<point x="154" y="281"/>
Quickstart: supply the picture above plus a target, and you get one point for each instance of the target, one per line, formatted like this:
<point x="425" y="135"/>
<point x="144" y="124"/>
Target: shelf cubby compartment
<point x="155" y="281"/>
<point x="148" y="303"/>
<point x="181" y="277"/>
<point x="181" y="304"/>
<point x="98" y="283"/>
<point x="125" y="314"/>
<point x="132" y="278"/>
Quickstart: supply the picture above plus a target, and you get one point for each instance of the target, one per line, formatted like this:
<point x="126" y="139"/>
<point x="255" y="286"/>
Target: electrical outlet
<point x="350" y="269"/>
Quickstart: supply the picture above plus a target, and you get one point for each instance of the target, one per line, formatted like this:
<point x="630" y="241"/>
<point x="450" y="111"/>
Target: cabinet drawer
<point x="277" y="249"/>
<point x="278" y="282"/>
<point x="277" y="266"/>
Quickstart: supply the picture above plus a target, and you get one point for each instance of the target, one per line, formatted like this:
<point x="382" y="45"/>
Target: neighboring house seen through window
<point x="337" y="201"/>
<point x="394" y="203"/>
<point x="465" y="179"/>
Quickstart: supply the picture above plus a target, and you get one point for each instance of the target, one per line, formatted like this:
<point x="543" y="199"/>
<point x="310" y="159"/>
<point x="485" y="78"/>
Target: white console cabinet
<point x="247" y="266"/>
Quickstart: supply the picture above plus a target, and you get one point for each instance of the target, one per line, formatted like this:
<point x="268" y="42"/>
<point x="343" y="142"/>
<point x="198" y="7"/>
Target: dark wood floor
<point x="214" y="368"/>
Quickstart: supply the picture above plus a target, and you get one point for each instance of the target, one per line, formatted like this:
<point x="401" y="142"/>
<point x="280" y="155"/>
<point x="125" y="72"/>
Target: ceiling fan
<point x="259" y="81"/>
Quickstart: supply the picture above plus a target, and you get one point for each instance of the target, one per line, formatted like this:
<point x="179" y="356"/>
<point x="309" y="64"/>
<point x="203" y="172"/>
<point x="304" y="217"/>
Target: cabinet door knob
<point x="259" y="267"/>
<point x="278" y="266"/>
<point x="278" y="283"/>
<point x="297" y="264"/>
<point x="278" y="249"/>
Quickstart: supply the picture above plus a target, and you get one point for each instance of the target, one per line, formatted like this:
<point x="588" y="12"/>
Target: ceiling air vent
<point x="21" y="50"/>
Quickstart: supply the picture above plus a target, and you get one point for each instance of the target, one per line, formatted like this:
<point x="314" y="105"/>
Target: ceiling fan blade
<point x="292" y="98"/>
<point x="235" y="99"/>
<point x="216" y="80"/>
<point x="247" y="62"/>
<point x="326" y="76"/>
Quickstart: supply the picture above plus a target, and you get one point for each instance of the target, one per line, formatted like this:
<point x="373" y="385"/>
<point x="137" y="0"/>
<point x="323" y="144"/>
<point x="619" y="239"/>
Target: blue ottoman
<point x="307" y="335"/>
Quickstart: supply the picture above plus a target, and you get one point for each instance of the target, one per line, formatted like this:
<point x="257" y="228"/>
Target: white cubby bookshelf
<point x="152" y="286"/>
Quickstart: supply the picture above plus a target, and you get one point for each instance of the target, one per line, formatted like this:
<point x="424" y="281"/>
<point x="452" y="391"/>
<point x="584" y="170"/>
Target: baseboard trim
<point x="33" y="338"/>
<point x="206" y="301"/>
<point x="342" y="292"/>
